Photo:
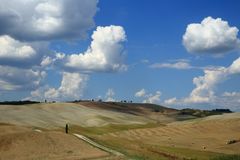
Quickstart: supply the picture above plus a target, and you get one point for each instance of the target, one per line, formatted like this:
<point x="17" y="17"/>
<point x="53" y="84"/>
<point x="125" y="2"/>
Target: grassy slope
<point x="126" y="139"/>
<point x="111" y="128"/>
<point x="142" y="151"/>
<point x="110" y="112"/>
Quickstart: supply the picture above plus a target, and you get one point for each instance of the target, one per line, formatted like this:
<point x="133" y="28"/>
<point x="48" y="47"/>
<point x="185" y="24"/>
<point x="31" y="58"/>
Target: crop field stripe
<point x="98" y="145"/>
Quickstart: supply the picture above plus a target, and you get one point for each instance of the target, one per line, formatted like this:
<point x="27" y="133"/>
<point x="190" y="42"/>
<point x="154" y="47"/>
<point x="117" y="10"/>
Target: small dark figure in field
<point x="66" y="128"/>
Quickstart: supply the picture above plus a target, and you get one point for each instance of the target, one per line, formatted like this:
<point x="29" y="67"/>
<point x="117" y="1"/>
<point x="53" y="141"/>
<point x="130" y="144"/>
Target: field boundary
<point x="84" y="138"/>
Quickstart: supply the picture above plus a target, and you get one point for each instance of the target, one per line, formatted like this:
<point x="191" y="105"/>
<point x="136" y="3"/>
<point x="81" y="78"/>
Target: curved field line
<point x="98" y="145"/>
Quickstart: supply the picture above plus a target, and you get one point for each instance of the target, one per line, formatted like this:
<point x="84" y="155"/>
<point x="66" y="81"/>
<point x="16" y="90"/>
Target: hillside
<point x="154" y="112"/>
<point x="93" y="114"/>
<point x="195" y="139"/>
<point x="139" y="131"/>
<point x="23" y="143"/>
<point x="55" y="115"/>
<point x="132" y="108"/>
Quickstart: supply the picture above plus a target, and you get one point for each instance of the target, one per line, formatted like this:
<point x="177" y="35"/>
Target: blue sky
<point x="145" y="51"/>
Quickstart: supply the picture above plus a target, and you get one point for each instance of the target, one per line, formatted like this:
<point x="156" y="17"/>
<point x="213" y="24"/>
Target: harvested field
<point x="19" y="143"/>
<point x="55" y="115"/>
<point x="139" y="131"/>
<point x="207" y="135"/>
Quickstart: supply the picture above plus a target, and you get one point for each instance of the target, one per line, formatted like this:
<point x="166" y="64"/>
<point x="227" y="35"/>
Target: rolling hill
<point x="139" y="131"/>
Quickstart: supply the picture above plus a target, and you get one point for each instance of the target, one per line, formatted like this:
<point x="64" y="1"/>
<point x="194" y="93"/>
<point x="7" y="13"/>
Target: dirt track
<point x="84" y="138"/>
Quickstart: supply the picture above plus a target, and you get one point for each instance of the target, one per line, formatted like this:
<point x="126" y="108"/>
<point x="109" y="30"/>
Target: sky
<point x="174" y="53"/>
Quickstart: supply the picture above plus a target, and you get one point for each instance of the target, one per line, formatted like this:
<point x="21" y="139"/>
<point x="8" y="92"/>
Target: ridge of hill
<point x="154" y="111"/>
<point x="94" y="114"/>
<point x="131" y="108"/>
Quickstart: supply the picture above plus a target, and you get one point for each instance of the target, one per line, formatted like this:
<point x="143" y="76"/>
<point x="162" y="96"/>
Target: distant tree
<point x="222" y="110"/>
<point x="66" y="128"/>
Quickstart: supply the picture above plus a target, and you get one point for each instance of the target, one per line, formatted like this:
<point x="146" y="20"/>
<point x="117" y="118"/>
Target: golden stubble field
<point x="137" y="132"/>
<point x="22" y="143"/>
<point x="200" y="138"/>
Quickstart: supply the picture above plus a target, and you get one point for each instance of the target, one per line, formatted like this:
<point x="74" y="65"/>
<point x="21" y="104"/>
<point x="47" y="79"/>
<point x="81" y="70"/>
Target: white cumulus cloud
<point x="211" y="36"/>
<point x="109" y="95"/>
<point x="148" y="97"/>
<point x="13" y="49"/>
<point x="205" y="88"/>
<point x="46" y="61"/>
<point x="21" y="54"/>
<point x="153" y="98"/>
<point x="110" y="92"/>
<point x="205" y="85"/>
<point x="12" y="78"/>
<point x="71" y="88"/>
<point x="140" y="93"/>
<point x="181" y="65"/>
<point x="170" y="101"/>
<point x="231" y="94"/>
<point x="46" y="19"/>
<point x="105" y="53"/>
